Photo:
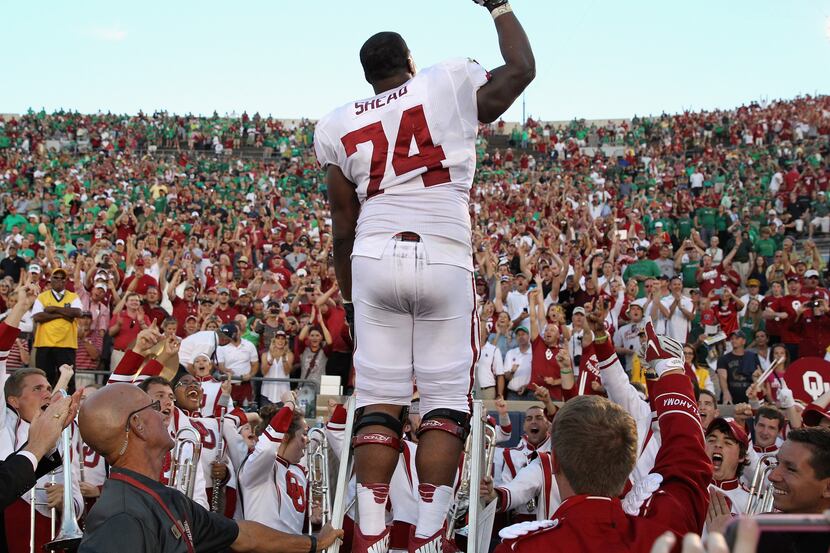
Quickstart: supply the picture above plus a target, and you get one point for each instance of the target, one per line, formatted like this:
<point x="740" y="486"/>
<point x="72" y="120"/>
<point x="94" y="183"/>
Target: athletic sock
<point x="433" y="505"/>
<point x="371" y="508"/>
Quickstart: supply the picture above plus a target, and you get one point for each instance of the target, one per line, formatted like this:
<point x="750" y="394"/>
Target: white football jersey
<point x="410" y="152"/>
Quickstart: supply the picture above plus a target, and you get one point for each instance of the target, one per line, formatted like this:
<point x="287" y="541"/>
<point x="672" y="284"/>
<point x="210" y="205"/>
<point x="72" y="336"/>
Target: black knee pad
<point x="377" y="418"/>
<point x="450" y="421"/>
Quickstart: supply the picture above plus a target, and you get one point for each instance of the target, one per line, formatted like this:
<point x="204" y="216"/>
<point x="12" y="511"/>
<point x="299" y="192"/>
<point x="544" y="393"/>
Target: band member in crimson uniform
<point x="596" y="448"/>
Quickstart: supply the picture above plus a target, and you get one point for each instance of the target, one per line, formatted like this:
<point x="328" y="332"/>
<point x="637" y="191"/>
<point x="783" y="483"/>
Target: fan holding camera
<point x="813" y="318"/>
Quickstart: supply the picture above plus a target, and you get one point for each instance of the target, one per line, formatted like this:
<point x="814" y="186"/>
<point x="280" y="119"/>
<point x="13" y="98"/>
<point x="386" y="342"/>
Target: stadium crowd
<point x="176" y="251"/>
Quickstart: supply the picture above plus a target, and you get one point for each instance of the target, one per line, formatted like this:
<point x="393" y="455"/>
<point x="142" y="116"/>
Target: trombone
<point x="317" y="457"/>
<point x="472" y="453"/>
<point x="217" y="500"/>
<point x="761" y="491"/>
<point x="70" y="536"/>
<point x="33" y="505"/>
<point x="183" y="469"/>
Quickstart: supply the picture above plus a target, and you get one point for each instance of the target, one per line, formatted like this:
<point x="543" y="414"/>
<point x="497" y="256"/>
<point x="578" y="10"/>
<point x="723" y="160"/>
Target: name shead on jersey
<point x="362" y="107"/>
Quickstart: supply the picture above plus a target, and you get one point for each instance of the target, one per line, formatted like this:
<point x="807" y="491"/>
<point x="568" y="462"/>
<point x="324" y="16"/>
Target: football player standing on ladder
<point x="399" y="168"/>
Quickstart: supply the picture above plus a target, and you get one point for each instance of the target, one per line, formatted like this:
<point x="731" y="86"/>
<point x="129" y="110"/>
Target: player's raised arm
<point x="519" y="69"/>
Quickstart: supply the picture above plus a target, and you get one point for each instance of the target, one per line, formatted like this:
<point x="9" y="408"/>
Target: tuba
<point x="317" y="457"/>
<point x="761" y="492"/>
<point x="183" y="469"/>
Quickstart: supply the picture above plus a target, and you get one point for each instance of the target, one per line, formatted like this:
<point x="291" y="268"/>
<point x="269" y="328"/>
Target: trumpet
<point x="317" y="457"/>
<point x="760" y="492"/>
<point x="70" y="535"/>
<point x="183" y="469"/>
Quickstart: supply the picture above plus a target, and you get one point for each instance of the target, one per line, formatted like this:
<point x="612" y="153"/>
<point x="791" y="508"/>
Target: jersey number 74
<point x="413" y="125"/>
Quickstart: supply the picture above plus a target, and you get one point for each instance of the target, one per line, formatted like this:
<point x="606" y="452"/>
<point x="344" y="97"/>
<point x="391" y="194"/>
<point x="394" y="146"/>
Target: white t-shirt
<point x="237" y="358"/>
<point x="677" y="326"/>
<point x="745" y="299"/>
<point x="410" y="152"/>
<point x="516" y="303"/>
<point x="38" y="306"/>
<point x="523" y="373"/>
<point x="628" y="337"/>
<point x="489" y="366"/>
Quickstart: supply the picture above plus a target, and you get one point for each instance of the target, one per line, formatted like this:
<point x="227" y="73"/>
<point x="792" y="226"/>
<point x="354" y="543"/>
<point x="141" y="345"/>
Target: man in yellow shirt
<point x="56" y="336"/>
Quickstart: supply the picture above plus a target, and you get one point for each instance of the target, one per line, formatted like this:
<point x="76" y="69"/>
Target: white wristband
<point x="501" y="10"/>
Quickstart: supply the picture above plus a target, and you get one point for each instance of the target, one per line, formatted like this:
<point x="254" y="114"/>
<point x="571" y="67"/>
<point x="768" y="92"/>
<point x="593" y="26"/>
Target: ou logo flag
<point x="808" y="378"/>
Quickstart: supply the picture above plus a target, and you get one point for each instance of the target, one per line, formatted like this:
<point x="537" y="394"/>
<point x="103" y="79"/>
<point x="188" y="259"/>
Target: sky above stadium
<point x="595" y="58"/>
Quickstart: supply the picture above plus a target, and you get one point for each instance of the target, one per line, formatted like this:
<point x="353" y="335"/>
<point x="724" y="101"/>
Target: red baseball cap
<point x="730" y="427"/>
<point x="813" y="415"/>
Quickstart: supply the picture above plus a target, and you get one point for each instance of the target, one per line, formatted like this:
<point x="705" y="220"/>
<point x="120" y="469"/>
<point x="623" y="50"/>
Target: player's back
<point x="410" y="151"/>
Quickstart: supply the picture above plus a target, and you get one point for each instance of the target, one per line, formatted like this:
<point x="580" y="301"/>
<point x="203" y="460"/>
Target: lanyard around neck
<point x="183" y="532"/>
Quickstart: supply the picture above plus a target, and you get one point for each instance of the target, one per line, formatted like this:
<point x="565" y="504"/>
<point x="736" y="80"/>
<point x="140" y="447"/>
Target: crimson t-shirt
<point x="143" y="283"/>
<point x="791" y="330"/>
<point x="543" y="365"/>
<point x="772" y="326"/>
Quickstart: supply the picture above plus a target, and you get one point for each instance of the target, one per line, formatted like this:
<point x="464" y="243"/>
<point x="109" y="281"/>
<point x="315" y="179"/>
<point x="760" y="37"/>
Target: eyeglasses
<point x="187" y="384"/>
<point x="155" y="406"/>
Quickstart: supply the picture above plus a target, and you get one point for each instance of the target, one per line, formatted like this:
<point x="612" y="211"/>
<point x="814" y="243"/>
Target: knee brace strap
<point x="376" y="438"/>
<point x="378" y="418"/>
<point x="458" y="424"/>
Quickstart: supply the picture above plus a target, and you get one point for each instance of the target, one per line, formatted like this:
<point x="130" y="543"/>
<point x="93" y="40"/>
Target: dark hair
<point x="267" y="412"/>
<point x="817" y="440"/>
<point x="772" y="413"/>
<point x="179" y="375"/>
<point x="384" y="55"/>
<point x="705" y="392"/>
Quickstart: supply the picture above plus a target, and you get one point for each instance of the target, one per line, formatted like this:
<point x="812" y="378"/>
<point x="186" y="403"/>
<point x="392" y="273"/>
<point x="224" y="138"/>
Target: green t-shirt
<point x="706" y="217"/>
<point x="668" y="224"/>
<point x="749" y="330"/>
<point x="684" y="228"/>
<point x="820" y="209"/>
<point x="765" y="247"/>
<point x="689" y="271"/>
<point x="14" y="220"/>
<point x="723" y="222"/>
<point x="643" y="267"/>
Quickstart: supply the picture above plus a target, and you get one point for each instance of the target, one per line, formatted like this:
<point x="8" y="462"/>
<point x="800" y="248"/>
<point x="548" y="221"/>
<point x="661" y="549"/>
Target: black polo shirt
<point x="127" y="519"/>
